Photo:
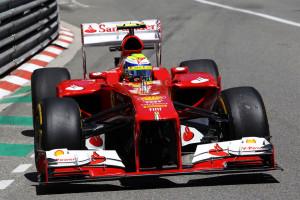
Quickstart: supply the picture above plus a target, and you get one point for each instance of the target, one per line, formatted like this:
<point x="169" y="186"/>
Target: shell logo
<point x="250" y="141"/>
<point x="59" y="153"/>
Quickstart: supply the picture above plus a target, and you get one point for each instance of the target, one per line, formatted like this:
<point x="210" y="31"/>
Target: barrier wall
<point x="26" y="27"/>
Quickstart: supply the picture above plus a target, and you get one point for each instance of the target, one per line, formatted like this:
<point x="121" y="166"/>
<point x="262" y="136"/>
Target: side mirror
<point x="97" y="75"/>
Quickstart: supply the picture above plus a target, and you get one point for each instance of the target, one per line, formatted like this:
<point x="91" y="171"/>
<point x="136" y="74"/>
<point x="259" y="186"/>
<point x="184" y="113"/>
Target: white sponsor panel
<point x="69" y="158"/>
<point x="96" y="142"/>
<point x="106" y="33"/>
<point x="245" y="146"/>
<point x="190" y="135"/>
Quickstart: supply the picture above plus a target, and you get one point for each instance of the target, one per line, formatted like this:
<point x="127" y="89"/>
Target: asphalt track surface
<point x="250" y="50"/>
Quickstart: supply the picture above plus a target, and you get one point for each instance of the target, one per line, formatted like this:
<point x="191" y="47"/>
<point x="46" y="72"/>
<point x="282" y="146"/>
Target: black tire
<point x="43" y="85"/>
<point x="202" y="65"/>
<point x="44" y="82"/>
<point x="60" y="124"/>
<point x="246" y="113"/>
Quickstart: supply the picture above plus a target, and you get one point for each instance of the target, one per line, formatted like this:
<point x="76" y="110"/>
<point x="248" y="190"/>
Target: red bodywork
<point x="106" y="90"/>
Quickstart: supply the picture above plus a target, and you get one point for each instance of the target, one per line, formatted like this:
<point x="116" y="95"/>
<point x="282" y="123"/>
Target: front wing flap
<point x="246" y="152"/>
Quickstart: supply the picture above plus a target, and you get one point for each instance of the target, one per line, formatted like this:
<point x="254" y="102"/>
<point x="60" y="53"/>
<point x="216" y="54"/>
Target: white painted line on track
<point x="30" y="67"/>
<point x="266" y="16"/>
<point x="72" y="3"/>
<point x="15" y="80"/>
<point x="44" y="58"/>
<point x="21" y="168"/>
<point x="4" y="105"/>
<point x="5" y="183"/>
<point x="19" y="95"/>
<point x="79" y="4"/>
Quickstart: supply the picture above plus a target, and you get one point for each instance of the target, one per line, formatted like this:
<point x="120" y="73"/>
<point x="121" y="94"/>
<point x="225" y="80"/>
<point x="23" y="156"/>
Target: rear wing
<point x="106" y="33"/>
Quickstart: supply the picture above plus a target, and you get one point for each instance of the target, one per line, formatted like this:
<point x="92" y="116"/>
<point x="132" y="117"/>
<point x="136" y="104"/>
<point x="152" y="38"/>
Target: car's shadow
<point x="151" y="183"/>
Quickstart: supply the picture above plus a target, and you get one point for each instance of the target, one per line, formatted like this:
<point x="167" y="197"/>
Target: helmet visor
<point x="143" y="72"/>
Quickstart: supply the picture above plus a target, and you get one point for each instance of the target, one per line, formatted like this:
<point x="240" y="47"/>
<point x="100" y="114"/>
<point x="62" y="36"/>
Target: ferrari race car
<point x="138" y="119"/>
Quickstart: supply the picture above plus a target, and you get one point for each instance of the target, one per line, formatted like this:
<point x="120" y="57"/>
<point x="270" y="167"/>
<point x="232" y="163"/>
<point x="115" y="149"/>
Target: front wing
<point x="249" y="154"/>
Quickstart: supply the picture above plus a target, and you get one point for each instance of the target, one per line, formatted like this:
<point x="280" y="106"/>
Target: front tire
<point x="43" y="85"/>
<point x="246" y="113"/>
<point x="58" y="125"/>
<point x="44" y="82"/>
<point x="61" y="125"/>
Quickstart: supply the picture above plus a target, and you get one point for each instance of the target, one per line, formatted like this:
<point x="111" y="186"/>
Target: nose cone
<point x="154" y="107"/>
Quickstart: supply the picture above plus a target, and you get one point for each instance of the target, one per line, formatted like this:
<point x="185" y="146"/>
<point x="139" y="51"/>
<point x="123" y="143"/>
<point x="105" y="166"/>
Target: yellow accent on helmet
<point x="137" y="56"/>
<point x="149" y="67"/>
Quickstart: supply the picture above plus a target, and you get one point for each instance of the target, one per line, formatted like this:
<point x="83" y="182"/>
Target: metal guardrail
<point x="26" y="27"/>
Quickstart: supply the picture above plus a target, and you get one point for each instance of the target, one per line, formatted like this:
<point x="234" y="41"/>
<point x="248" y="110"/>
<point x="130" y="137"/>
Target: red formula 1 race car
<point x="138" y="119"/>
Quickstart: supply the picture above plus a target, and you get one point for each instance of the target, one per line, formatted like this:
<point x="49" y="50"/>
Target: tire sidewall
<point x="61" y="126"/>
<point x="246" y="113"/>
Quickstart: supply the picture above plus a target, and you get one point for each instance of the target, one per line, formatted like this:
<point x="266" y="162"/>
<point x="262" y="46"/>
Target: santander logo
<point x="188" y="134"/>
<point x="96" y="141"/>
<point x="97" y="159"/>
<point x="218" y="151"/>
<point x="90" y="29"/>
<point x="109" y="28"/>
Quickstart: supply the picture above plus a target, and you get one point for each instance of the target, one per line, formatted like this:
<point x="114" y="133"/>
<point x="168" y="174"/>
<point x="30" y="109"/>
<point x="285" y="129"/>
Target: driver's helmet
<point x="137" y="68"/>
